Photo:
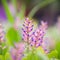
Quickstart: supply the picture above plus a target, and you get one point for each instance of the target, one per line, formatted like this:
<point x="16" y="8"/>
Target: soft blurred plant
<point x="27" y="31"/>
<point x="55" y="54"/>
<point x="18" y="51"/>
<point x="3" y="47"/>
<point x="33" y="39"/>
<point x="38" y="35"/>
<point x="13" y="34"/>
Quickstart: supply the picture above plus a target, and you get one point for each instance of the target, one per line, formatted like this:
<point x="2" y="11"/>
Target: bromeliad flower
<point x="35" y="38"/>
<point x="17" y="51"/>
<point x="27" y="30"/>
<point x="38" y="35"/>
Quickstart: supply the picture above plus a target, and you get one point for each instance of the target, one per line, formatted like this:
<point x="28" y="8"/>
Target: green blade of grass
<point x="38" y="6"/>
<point x="9" y="16"/>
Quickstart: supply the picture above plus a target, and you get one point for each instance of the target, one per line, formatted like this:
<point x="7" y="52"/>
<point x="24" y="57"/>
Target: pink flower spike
<point x="17" y="52"/>
<point x="38" y="35"/>
<point x="27" y="29"/>
<point x="35" y="38"/>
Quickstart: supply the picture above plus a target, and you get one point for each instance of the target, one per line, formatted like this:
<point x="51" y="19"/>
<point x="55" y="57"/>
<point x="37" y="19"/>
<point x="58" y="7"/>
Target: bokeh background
<point x="12" y="11"/>
<point x="37" y="9"/>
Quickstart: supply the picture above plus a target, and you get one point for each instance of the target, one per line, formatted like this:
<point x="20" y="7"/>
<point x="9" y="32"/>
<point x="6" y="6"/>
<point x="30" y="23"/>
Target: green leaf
<point x="32" y="56"/>
<point x="58" y="48"/>
<point x="4" y="51"/>
<point x="9" y="15"/>
<point x="1" y="58"/>
<point x="8" y="57"/>
<point x="13" y="36"/>
<point x="53" y="54"/>
<point x="0" y="51"/>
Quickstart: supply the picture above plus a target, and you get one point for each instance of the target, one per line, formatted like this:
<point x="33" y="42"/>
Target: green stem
<point x="38" y="6"/>
<point x="3" y="57"/>
<point x="9" y="15"/>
